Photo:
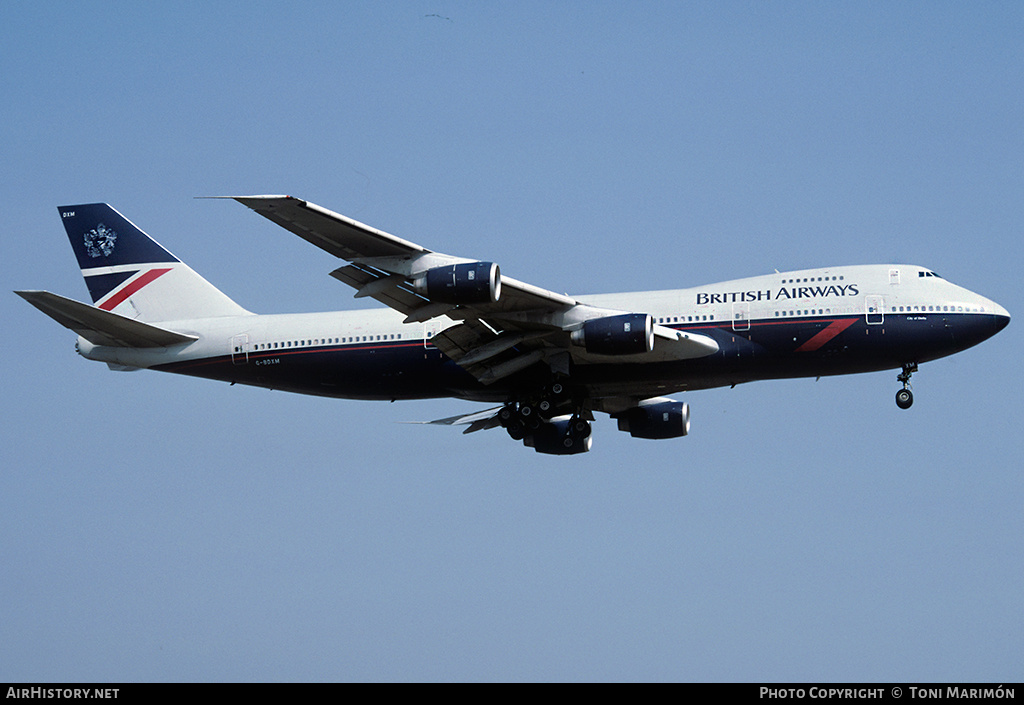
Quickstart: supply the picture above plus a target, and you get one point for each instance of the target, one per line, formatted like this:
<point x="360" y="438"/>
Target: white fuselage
<point x="871" y="291"/>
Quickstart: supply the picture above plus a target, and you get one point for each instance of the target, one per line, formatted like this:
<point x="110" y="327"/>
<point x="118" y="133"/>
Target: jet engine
<point x="560" y="437"/>
<point x="468" y="283"/>
<point x="627" y="334"/>
<point x="666" y="419"/>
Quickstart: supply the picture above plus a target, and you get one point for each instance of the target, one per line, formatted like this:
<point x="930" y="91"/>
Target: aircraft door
<point x="741" y="316"/>
<point x="240" y="349"/>
<point x="874" y="310"/>
<point x="430" y="329"/>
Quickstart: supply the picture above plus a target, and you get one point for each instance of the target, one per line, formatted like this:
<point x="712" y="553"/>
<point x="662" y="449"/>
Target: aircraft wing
<point x="382" y="264"/>
<point x="514" y="327"/>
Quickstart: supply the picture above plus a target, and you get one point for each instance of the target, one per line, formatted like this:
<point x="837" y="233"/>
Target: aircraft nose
<point x="1002" y="318"/>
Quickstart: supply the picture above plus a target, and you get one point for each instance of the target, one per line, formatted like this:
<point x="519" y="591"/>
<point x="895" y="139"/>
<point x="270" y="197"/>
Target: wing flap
<point x="486" y="354"/>
<point x="102" y="327"/>
<point x="391" y="290"/>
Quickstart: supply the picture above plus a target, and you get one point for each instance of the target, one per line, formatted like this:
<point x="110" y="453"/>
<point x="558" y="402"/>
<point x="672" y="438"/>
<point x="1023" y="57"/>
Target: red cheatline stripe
<point x="131" y="288"/>
<point x="826" y="335"/>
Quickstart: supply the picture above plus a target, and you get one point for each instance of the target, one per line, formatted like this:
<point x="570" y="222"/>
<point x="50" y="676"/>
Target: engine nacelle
<point x="667" y="419"/>
<point x="627" y="334"/>
<point x="554" y="438"/>
<point x="468" y="283"/>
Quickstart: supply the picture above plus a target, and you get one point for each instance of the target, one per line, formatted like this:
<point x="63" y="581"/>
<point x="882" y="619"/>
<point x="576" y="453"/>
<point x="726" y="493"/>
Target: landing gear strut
<point x="905" y="397"/>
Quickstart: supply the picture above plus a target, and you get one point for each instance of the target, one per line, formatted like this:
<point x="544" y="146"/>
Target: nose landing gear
<point x="905" y="397"/>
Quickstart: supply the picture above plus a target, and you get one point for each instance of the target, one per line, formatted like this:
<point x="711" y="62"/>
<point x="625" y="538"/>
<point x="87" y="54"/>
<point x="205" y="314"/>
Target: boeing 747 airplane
<point x="457" y="327"/>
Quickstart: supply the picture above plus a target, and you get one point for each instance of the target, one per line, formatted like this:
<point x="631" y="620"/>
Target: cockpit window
<point x="926" y="273"/>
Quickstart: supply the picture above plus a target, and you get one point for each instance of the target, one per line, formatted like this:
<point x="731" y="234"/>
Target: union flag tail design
<point x="129" y="273"/>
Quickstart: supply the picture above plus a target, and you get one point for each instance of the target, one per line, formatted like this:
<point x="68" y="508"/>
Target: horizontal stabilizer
<point x="101" y="327"/>
<point x="477" y="421"/>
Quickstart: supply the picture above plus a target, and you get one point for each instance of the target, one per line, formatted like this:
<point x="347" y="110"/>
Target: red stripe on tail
<point x="131" y="287"/>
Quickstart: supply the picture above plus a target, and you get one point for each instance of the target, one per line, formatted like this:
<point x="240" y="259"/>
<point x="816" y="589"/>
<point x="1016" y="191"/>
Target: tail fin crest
<point x="129" y="273"/>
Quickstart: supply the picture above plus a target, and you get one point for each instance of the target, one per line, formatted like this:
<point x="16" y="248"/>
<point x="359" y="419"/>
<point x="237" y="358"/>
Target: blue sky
<point x="163" y="528"/>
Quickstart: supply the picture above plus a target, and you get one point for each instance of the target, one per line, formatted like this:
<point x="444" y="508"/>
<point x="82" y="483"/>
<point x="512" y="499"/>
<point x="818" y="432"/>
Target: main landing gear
<point x="532" y="416"/>
<point x="905" y="397"/>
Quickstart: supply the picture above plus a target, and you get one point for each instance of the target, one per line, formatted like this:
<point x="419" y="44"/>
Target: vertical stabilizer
<point x="129" y="273"/>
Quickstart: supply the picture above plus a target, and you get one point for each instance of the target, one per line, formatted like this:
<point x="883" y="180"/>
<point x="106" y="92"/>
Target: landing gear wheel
<point x="576" y="434"/>
<point x="904" y="398"/>
<point x="516" y="430"/>
<point x="507" y="415"/>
